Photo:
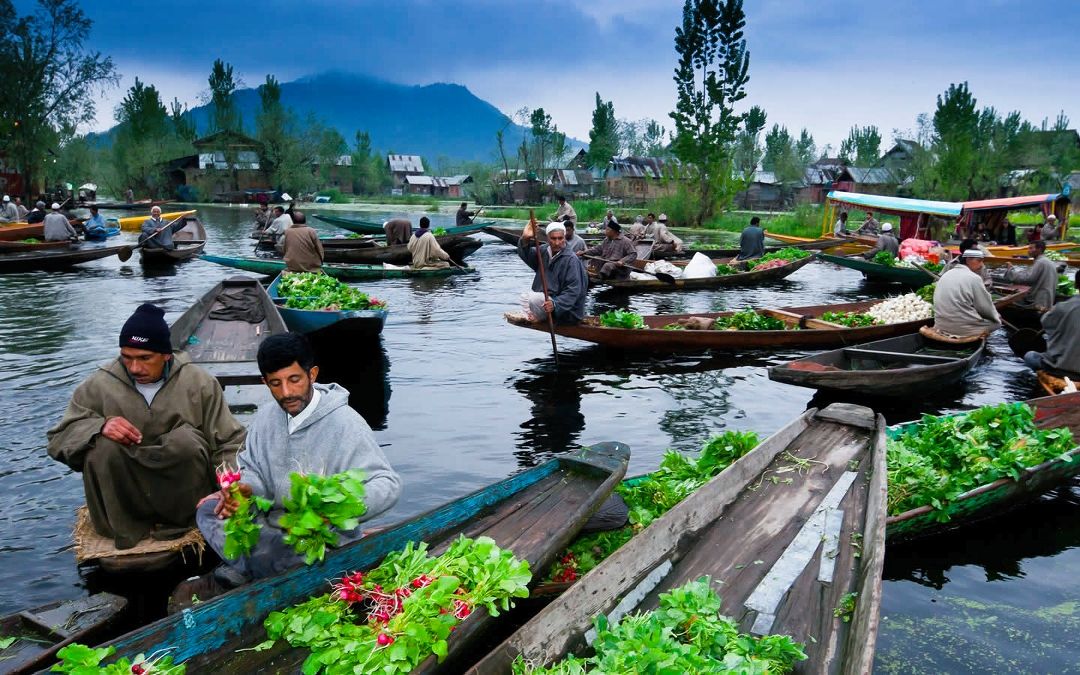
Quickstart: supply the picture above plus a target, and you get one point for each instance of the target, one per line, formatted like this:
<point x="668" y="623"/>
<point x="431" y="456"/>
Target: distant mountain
<point x="435" y="120"/>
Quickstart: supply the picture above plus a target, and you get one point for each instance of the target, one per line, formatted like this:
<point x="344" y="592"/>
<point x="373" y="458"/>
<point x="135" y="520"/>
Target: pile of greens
<point x="439" y="231"/>
<point x="748" y="319"/>
<point x="308" y="290"/>
<point x="79" y="659"/>
<point x="926" y="292"/>
<point x="785" y="254"/>
<point x="849" y="319"/>
<point x="650" y="497"/>
<point x="621" y="319"/>
<point x="723" y="270"/>
<point x="391" y="618"/>
<point x="933" y="267"/>
<point x="1065" y="286"/>
<point x="940" y="458"/>
<point x="315" y="505"/>
<point x="884" y="258"/>
<point x="686" y="634"/>
<point x="674" y="326"/>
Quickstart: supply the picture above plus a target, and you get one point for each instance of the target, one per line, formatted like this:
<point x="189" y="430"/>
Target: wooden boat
<point x="43" y="631"/>
<point x="898" y="366"/>
<point x="128" y="206"/>
<point x="20" y="231"/>
<point x="845" y="246"/>
<point x="31" y="261"/>
<point x="369" y="227"/>
<point x="458" y="247"/>
<point x="227" y="347"/>
<point x="190" y="242"/>
<point x="997" y="261"/>
<point x="1053" y="383"/>
<point x="1022" y="251"/>
<point x="20" y="246"/>
<point x="1027" y="316"/>
<point x="265" y="243"/>
<point x="328" y="324"/>
<point x="877" y="272"/>
<point x="788" y="553"/>
<point x="741" y="279"/>
<point x="812" y="245"/>
<point x="1051" y="412"/>
<point x="509" y="235"/>
<point x="535" y="514"/>
<point x="813" y="332"/>
<point x="272" y="267"/>
<point x="134" y="223"/>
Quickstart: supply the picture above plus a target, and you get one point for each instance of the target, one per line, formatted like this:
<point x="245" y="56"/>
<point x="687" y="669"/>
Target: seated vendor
<point x="425" y="249"/>
<point x="615" y="254"/>
<point x="1062" y="326"/>
<point x="146" y="431"/>
<point x="962" y="305"/>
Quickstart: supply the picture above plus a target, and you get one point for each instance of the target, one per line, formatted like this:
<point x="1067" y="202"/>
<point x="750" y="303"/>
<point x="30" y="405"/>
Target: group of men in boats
<point x="148" y="431"/>
<point x="13" y="211"/>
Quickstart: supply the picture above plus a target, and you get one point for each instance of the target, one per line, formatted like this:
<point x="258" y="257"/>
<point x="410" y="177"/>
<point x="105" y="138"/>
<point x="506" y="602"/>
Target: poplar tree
<point x="604" y="138"/>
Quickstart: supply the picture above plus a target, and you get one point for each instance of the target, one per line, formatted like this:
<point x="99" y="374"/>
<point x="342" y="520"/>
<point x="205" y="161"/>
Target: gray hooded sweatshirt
<point x="334" y="439"/>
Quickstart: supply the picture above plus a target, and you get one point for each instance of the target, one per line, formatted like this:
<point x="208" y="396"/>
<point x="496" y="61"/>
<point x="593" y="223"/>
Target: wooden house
<point x="639" y="179"/>
<point x="224" y="163"/>
<point x="455" y="185"/>
<point x="573" y="183"/>
<point x="401" y="166"/>
<point x="764" y="191"/>
<point x="426" y="185"/>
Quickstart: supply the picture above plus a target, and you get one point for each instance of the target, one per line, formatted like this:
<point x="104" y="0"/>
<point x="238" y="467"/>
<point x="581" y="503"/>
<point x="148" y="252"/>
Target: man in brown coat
<point x="302" y="248"/>
<point x="146" y="432"/>
<point x="616" y="250"/>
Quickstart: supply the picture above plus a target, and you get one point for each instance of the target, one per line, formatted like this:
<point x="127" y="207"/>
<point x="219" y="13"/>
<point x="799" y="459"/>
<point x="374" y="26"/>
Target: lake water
<point x="460" y="399"/>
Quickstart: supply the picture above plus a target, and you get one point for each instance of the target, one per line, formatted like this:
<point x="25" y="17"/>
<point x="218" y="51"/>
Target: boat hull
<point x="19" y="231"/>
<point x="742" y="279"/>
<point x="329" y="324"/>
<point x="272" y="267"/>
<point x="134" y="223"/>
<point x="876" y="272"/>
<point x="48" y="261"/>
<point x="369" y="227"/>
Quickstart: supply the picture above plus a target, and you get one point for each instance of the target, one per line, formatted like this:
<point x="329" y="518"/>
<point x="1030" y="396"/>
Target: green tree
<point x="49" y="77"/>
<point x="710" y="80"/>
<point x="183" y="127"/>
<point x="862" y="147"/>
<point x="805" y="148"/>
<point x="145" y="140"/>
<point x="604" y="138"/>
<point x="361" y="164"/>
<point x="748" y="150"/>
<point x="223" y="85"/>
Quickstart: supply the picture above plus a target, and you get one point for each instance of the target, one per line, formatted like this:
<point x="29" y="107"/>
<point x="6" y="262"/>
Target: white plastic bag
<point x="699" y="267"/>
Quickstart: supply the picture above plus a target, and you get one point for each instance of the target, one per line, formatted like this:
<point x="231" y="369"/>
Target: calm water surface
<point x="459" y="399"/>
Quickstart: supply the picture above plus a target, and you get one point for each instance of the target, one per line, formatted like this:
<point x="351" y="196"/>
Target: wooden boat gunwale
<point x="271" y="267"/>
<point x="876" y="271"/>
<point x="112" y="604"/>
<point x="29" y="261"/>
<point x="20" y="246"/>
<point x="353" y="322"/>
<point x="368" y="227"/>
<point x="738" y="279"/>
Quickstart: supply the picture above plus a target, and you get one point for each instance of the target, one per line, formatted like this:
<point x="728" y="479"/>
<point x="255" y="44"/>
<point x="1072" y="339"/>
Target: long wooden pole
<point x="544" y="286"/>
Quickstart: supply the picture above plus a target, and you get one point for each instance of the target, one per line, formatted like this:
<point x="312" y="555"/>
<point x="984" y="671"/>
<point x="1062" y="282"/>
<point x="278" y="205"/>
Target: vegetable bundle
<point x="849" y="319"/>
<point x="685" y="634"/>
<point x="884" y="258"/>
<point x="308" y="290"/>
<point x="652" y="496"/>
<point x="786" y="255"/>
<point x="391" y="618"/>
<point x="723" y="270"/>
<point x="621" y="319"/>
<point x="748" y="319"/>
<point x="82" y="660"/>
<point x="1065" y="286"/>
<point x="940" y="458"/>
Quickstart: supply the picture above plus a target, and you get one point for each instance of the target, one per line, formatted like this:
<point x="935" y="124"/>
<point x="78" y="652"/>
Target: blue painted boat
<point x="328" y="323"/>
<point x="110" y="231"/>
<point x="535" y="514"/>
<point x="369" y="227"/>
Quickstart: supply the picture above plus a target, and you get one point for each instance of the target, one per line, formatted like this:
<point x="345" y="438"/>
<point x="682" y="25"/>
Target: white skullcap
<point x="285" y="197"/>
<point x="55" y="205"/>
<point x="663" y="217"/>
<point x="555" y="227"/>
<point x="973" y="253"/>
<point x="1049" y="217"/>
<point x="7" y="199"/>
<point x="887" y="227"/>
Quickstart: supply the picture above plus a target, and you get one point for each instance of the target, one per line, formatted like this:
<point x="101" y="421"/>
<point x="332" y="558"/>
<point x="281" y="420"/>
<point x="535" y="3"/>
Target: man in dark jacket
<point x="752" y="241"/>
<point x="616" y="249"/>
<point x="567" y="280"/>
<point x="1062" y="326"/>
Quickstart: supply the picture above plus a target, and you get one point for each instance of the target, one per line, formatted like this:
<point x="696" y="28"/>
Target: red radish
<point x="384" y="640"/>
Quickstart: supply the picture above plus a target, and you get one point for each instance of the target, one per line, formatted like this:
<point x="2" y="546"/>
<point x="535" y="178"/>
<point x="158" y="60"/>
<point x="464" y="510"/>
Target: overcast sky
<point x="824" y="65"/>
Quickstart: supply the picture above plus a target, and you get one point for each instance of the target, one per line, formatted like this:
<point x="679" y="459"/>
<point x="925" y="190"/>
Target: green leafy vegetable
<point x="940" y="458"/>
<point x="82" y="660"/>
<point x="926" y="292"/>
<point x="884" y="258"/>
<point x="621" y="319"/>
<point x="785" y="254"/>
<point x="674" y="326"/>
<point x="317" y="503"/>
<point x="308" y="290"/>
<point x="1065" y="286"/>
<point x="846" y="608"/>
<point x="6" y="642"/>
<point x="686" y="634"/>
<point x="748" y="319"/>
<point x="850" y="319"/>
<point x="723" y="270"/>
<point x="439" y="231"/>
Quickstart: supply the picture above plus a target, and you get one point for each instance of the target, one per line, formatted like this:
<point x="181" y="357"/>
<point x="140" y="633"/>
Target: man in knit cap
<point x="146" y="431"/>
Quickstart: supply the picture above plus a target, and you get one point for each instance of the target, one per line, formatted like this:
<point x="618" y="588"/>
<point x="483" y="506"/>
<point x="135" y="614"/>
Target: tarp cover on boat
<point x="896" y="204"/>
<point x="1009" y="203"/>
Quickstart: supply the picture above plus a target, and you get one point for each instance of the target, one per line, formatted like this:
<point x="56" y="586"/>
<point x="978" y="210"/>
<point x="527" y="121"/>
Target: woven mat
<point x="1050" y="382"/>
<point x="932" y="333"/>
<point x="89" y="545"/>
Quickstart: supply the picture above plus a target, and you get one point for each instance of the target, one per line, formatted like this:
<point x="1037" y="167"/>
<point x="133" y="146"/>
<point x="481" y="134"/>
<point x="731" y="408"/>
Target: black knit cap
<point x="146" y="329"/>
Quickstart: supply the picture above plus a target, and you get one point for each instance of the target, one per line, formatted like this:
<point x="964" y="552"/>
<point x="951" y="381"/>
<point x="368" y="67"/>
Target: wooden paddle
<point x="662" y="276"/>
<point x="125" y="251"/>
<point x="543" y="285"/>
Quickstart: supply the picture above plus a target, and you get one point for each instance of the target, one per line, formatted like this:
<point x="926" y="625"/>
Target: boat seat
<point x="932" y="333"/>
<point x="898" y="356"/>
<point x="239" y="282"/>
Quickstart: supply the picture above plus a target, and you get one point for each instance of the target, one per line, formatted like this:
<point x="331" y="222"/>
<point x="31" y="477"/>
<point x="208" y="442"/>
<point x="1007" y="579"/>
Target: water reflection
<point x="365" y="373"/>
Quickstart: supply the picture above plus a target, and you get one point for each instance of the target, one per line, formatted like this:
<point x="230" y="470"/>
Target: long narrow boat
<point x="190" y="242"/>
<point x="750" y="278"/>
<point x="877" y="272"/>
<point x="984" y="501"/>
<point x="134" y="223"/>
<point x="369" y="227"/>
<point x="813" y="245"/>
<point x="35" y="245"/>
<point x="534" y="514"/>
<point x="40" y="633"/>
<point x="272" y="267"/>
<point x="223" y="330"/>
<point x="812" y="330"/>
<point x="458" y="247"/>
<point x="510" y="235"/>
<point x="328" y="324"/>
<point x="32" y="261"/>
<point x="899" y="366"/>
<point x="20" y="231"/>
<point x="128" y="206"/>
<point x="800" y="555"/>
<point x="846" y="246"/>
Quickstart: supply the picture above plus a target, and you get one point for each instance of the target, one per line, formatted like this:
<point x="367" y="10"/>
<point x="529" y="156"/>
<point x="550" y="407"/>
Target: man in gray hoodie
<point x="311" y="429"/>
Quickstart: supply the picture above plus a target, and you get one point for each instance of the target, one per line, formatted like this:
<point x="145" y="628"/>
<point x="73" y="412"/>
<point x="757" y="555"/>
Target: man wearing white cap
<point x="57" y="227"/>
<point x="663" y="240"/>
<point x="149" y="237"/>
<point x="286" y="197"/>
<point x="886" y="241"/>
<point x="1050" y="229"/>
<point x="962" y="305"/>
<point x="567" y="280"/>
<point x="9" y="213"/>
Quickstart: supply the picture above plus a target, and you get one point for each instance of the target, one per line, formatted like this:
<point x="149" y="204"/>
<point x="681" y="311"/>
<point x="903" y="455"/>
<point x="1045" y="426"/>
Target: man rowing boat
<point x="616" y="251"/>
<point x="567" y="280"/>
<point x="962" y="305"/>
<point x="464" y="216"/>
<point x="162" y="239"/>
<point x="146" y="432"/>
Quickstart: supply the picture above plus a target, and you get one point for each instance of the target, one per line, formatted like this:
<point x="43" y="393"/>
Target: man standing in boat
<point x="616" y="251"/>
<point x="303" y="250"/>
<point x="752" y="241"/>
<point x="567" y="280"/>
<point x="1050" y="229"/>
<point x="309" y="428"/>
<point x="146" y="432"/>
<point x="1041" y="276"/>
<point x="57" y="226"/>
<point x="962" y="306"/>
<point x="425" y="249"/>
<point x="151" y="237"/>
